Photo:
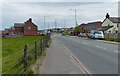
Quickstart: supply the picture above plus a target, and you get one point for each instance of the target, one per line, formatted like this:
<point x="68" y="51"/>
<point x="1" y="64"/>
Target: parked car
<point x="82" y="35"/>
<point x="96" y="34"/>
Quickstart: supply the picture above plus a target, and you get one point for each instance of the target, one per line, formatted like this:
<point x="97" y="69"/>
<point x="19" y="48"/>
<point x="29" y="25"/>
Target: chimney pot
<point x="30" y="19"/>
<point x="107" y="16"/>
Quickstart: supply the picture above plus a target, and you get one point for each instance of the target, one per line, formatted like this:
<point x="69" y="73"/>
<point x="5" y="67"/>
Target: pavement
<point x="60" y="61"/>
<point x="72" y="55"/>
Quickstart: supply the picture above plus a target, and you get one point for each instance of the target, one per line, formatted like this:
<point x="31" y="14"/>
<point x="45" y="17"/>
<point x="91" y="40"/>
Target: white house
<point x="110" y="24"/>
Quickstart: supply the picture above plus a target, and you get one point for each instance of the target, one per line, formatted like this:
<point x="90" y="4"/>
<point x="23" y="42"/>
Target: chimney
<point x="25" y="22"/>
<point x="30" y="19"/>
<point x="107" y="16"/>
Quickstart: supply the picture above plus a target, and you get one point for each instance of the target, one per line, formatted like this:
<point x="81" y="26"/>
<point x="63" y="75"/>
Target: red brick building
<point x="91" y="26"/>
<point x="27" y="28"/>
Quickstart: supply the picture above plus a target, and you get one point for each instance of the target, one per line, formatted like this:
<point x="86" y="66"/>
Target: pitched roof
<point x="18" y="24"/>
<point x="115" y="19"/>
<point x="104" y="28"/>
<point x="93" y="23"/>
<point x="5" y="31"/>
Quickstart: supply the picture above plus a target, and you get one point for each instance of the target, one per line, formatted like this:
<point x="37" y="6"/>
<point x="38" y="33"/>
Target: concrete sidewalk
<point x="59" y="60"/>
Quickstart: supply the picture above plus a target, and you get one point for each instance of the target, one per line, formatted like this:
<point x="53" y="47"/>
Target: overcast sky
<point x="19" y="12"/>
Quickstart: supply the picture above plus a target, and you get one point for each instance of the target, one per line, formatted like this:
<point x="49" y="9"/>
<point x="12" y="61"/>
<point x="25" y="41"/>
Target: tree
<point x="78" y="29"/>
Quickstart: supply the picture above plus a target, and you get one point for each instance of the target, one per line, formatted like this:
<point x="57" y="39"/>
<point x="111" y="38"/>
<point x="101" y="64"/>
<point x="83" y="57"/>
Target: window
<point x="13" y="33"/>
<point x="117" y="25"/>
<point x="98" y="32"/>
<point x="29" y="28"/>
<point x="109" y="31"/>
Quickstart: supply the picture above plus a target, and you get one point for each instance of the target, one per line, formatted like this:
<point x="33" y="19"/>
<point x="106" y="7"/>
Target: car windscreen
<point x="98" y="32"/>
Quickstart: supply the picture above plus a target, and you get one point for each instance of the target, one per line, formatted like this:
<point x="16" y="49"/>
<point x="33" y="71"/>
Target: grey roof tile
<point x="18" y="24"/>
<point x="104" y="28"/>
<point x="115" y="19"/>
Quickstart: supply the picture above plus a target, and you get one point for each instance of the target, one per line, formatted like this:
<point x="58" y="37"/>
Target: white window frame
<point x="29" y="28"/>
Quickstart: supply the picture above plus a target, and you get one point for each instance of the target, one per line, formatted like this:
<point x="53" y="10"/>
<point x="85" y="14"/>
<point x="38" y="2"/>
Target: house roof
<point x="18" y="24"/>
<point x="93" y="23"/>
<point x="115" y="19"/>
<point x="5" y="31"/>
<point x="104" y="28"/>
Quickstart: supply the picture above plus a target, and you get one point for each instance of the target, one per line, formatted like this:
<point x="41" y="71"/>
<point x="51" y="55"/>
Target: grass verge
<point x="113" y="39"/>
<point x="12" y="53"/>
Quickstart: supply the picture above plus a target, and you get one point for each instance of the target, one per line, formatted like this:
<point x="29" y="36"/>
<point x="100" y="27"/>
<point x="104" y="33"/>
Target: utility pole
<point x="75" y="20"/>
<point x="48" y="25"/>
<point x="64" y="26"/>
<point x="55" y="25"/>
<point x="64" y="23"/>
<point x="45" y="23"/>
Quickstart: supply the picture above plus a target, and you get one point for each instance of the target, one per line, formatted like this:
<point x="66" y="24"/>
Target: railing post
<point x="41" y="47"/>
<point x="25" y="57"/>
<point x="35" y="50"/>
<point x="43" y="43"/>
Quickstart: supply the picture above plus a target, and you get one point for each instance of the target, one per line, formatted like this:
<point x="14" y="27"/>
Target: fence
<point x="112" y="35"/>
<point x="20" y="62"/>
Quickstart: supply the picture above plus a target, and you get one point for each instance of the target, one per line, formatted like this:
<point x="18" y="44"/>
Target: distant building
<point x="0" y="33"/>
<point x="61" y="29"/>
<point x="27" y="28"/>
<point x="91" y="26"/>
<point x="110" y="24"/>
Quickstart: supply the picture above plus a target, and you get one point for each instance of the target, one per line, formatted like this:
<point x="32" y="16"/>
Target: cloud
<point x="59" y="0"/>
<point x="0" y="16"/>
<point x="86" y="12"/>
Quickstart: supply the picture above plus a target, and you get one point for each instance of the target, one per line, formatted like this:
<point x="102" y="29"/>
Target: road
<point x="95" y="57"/>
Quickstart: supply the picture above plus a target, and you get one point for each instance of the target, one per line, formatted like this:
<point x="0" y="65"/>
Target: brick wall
<point x="30" y="29"/>
<point x="19" y="31"/>
<point x="98" y="26"/>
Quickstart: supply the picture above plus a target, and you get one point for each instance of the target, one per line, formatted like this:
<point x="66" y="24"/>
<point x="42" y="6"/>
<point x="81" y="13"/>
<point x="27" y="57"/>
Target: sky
<point x="18" y="12"/>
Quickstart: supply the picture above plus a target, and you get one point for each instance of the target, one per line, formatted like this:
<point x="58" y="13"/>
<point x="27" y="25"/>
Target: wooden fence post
<point x="35" y="50"/>
<point x="25" y="57"/>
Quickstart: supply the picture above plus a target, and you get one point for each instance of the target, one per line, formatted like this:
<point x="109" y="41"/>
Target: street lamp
<point x="75" y="20"/>
<point x="45" y="21"/>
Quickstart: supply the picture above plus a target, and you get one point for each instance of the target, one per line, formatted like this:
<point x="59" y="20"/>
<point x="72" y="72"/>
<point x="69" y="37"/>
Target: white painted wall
<point x="113" y="29"/>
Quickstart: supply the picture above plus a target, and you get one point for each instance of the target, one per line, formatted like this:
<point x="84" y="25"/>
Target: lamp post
<point x="75" y="20"/>
<point x="45" y="22"/>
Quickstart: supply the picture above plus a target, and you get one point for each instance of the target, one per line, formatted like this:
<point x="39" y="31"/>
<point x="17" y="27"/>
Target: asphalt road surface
<point x="96" y="57"/>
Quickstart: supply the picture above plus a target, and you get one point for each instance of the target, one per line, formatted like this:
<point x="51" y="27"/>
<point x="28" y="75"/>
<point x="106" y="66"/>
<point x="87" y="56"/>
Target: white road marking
<point x="85" y="43"/>
<point x="101" y="47"/>
<point x="116" y="51"/>
<point x="104" y="48"/>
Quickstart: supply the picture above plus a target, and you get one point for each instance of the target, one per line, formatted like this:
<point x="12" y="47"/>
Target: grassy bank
<point x="12" y="52"/>
<point x="113" y="39"/>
